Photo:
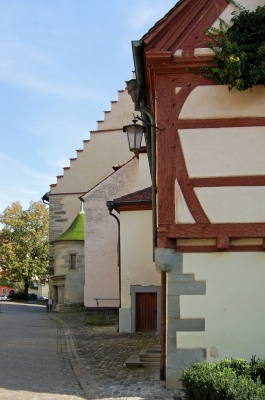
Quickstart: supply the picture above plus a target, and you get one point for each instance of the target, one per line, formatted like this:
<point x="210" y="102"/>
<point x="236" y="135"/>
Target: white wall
<point x="218" y="102"/>
<point x="136" y="259"/>
<point x="233" y="306"/>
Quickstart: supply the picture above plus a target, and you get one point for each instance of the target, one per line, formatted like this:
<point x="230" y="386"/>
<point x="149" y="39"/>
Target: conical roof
<point x="76" y="230"/>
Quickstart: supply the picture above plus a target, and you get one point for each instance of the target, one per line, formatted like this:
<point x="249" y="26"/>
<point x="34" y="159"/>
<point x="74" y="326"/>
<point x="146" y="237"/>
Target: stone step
<point x="133" y="361"/>
<point x="146" y="358"/>
<point x="150" y="355"/>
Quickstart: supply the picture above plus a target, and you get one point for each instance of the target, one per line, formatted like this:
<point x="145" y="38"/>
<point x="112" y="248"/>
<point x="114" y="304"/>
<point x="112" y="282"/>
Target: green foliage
<point x="239" y="49"/>
<point x="24" y="243"/>
<point x="229" y="379"/>
<point x="258" y="368"/>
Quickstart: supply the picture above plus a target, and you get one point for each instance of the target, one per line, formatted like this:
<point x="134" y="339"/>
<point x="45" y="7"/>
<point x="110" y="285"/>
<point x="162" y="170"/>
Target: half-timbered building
<point x="210" y="186"/>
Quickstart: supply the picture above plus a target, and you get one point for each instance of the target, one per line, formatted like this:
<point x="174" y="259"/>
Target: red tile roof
<point x="139" y="196"/>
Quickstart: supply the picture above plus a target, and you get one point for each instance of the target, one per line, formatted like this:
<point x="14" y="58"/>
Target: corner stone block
<point x="188" y="325"/>
<point x="183" y="287"/>
<point x="167" y="260"/>
<point x="182" y="359"/>
<point x="173" y="307"/>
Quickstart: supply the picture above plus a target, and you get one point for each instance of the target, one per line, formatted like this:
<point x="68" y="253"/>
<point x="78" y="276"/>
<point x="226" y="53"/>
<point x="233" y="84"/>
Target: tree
<point x="24" y="243"/>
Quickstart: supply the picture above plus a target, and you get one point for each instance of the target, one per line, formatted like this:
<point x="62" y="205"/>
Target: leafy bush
<point x="257" y="367"/>
<point x="226" y="380"/>
<point x="239" y="49"/>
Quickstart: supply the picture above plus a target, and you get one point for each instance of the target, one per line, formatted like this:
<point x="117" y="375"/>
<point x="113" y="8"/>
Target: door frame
<point x="145" y="289"/>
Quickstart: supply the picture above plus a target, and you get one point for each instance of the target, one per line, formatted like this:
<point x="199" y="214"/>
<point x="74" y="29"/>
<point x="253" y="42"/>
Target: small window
<point x="72" y="261"/>
<point x="4" y="291"/>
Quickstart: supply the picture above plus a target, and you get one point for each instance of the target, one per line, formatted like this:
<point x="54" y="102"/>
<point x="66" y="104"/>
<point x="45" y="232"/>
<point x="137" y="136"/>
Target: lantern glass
<point x="134" y="136"/>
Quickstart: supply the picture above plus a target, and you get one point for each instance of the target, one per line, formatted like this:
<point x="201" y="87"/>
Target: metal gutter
<point x="137" y="50"/>
<point x="150" y="137"/>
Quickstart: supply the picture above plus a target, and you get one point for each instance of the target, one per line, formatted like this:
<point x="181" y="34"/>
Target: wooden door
<point x="146" y="312"/>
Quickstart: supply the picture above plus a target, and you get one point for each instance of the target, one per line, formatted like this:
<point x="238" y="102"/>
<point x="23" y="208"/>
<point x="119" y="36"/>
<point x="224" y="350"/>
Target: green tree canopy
<point x="24" y="243"/>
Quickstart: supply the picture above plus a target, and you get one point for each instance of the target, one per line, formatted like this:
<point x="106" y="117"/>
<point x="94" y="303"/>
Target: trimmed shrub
<point x="257" y="367"/>
<point x="226" y="380"/>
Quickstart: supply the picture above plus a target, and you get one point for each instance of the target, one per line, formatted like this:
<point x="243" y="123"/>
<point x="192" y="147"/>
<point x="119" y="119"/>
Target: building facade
<point x="210" y="185"/>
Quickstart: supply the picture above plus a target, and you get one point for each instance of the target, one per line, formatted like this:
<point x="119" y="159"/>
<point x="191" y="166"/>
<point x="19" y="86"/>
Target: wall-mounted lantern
<point x="134" y="135"/>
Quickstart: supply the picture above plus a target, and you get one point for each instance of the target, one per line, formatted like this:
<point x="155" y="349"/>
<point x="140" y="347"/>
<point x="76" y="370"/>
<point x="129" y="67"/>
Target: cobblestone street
<point x="54" y="357"/>
<point x="102" y="352"/>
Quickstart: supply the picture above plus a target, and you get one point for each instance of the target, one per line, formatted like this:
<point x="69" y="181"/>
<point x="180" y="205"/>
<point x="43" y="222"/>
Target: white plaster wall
<point x="233" y="306"/>
<point x="224" y="151"/>
<point x="233" y="204"/>
<point x="182" y="212"/>
<point x="218" y="102"/>
<point x="101" y="236"/>
<point x="226" y="14"/>
<point x="137" y="263"/>
<point x="144" y="172"/>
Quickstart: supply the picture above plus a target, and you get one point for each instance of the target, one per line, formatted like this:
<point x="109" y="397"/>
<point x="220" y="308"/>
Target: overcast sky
<point x="61" y="63"/>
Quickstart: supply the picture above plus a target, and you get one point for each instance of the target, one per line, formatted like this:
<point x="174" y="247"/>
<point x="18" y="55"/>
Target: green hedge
<point x="234" y="379"/>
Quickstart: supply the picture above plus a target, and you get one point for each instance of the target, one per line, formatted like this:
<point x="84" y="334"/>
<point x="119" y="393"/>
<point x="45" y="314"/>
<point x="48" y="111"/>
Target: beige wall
<point x="138" y="268"/>
<point x="144" y="172"/>
<point x="101" y="236"/>
<point x="224" y="151"/>
<point x="218" y="102"/>
<point x="233" y="306"/>
<point x="95" y="162"/>
<point x="241" y="204"/>
<point x="105" y="149"/>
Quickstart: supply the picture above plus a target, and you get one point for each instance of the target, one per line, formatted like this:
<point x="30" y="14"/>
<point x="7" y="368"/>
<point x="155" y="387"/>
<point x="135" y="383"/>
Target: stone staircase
<point x="148" y="358"/>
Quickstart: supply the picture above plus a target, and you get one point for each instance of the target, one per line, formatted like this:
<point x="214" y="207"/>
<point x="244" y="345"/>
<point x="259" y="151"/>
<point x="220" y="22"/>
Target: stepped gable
<point x="76" y="178"/>
<point x="182" y="28"/>
<point x="113" y="117"/>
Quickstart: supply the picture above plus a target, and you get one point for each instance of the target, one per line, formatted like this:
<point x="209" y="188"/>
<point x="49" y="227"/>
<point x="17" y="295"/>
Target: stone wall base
<point x="173" y="378"/>
<point x="101" y="316"/>
<point x="63" y="308"/>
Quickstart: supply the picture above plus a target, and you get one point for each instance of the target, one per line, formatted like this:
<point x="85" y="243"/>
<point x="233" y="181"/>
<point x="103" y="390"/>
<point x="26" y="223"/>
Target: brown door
<point x="146" y="312"/>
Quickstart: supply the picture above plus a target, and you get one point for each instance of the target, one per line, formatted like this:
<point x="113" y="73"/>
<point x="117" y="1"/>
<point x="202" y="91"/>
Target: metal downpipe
<point x="110" y="206"/>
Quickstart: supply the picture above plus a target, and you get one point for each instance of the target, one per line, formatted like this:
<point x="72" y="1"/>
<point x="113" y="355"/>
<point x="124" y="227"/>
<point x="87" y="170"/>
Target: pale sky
<point x="61" y="63"/>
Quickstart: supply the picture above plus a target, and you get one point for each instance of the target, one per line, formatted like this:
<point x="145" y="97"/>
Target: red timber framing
<point x="183" y="28"/>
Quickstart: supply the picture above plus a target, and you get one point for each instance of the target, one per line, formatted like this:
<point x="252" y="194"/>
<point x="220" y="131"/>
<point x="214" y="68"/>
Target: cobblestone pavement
<point x="99" y="354"/>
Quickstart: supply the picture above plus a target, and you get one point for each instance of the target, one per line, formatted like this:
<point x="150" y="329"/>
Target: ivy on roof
<point x="75" y="231"/>
<point x="239" y="59"/>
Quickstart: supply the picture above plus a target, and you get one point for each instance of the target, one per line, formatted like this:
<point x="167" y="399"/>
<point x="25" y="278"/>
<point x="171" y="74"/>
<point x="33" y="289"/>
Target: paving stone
<point x="56" y="357"/>
<point x="103" y="352"/>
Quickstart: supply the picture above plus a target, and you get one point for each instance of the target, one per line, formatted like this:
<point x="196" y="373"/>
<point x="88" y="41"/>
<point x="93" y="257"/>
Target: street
<point x="30" y="368"/>
<point x="50" y="356"/>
